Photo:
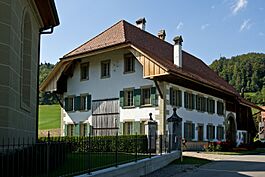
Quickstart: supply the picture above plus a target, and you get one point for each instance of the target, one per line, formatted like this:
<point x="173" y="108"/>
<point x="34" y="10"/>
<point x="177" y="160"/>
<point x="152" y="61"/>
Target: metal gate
<point x="105" y="117"/>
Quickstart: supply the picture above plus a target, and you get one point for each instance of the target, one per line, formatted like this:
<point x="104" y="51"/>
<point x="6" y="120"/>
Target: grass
<point x="49" y="116"/>
<point x="191" y="160"/>
<point x="79" y="162"/>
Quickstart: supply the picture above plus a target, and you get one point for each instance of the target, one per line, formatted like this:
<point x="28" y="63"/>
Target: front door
<point x="105" y="117"/>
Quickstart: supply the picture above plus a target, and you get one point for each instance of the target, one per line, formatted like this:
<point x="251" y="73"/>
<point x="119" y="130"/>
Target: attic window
<point x="129" y="63"/>
<point x="105" y="69"/>
<point x="84" y="67"/>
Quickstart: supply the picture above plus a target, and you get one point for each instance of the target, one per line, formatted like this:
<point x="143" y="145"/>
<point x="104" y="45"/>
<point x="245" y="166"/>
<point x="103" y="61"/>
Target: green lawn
<point x="77" y="163"/>
<point x="49" y="116"/>
<point x="191" y="160"/>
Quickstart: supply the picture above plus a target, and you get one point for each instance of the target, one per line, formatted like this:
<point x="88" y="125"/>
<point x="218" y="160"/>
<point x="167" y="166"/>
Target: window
<point x="105" y="69"/>
<point x="175" y="97"/>
<point x="70" y="130"/>
<point x="129" y="63"/>
<point x="200" y="103"/>
<point x="128" y="98"/>
<point x="84" y="67"/>
<point x="69" y="104"/>
<point x="146" y="93"/>
<point x="210" y="132"/>
<point x="220" y="132"/>
<point x="26" y="47"/>
<point x="200" y="132"/>
<point x="128" y="128"/>
<point x="189" y="100"/>
<point x="189" y="130"/>
<point x="83" y="100"/>
<point x="210" y="106"/>
<point x="83" y="129"/>
<point x="220" y="108"/>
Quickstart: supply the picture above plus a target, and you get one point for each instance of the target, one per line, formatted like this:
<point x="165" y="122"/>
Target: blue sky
<point x="210" y="28"/>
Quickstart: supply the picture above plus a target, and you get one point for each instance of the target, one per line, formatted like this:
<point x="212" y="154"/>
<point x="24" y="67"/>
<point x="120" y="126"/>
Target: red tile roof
<point x="159" y="50"/>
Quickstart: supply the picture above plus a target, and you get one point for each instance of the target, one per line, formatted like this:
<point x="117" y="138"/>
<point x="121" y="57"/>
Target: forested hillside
<point x="46" y="98"/>
<point x="245" y="72"/>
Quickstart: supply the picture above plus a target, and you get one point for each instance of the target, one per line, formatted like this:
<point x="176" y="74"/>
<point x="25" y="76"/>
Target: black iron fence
<point x="67" y="156"/>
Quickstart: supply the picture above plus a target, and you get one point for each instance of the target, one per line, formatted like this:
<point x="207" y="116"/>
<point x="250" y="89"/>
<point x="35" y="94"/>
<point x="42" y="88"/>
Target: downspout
<point x="38" y="75"/>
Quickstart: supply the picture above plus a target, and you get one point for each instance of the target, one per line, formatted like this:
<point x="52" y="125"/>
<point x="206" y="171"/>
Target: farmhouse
<point x="115" y="80"/>
<point x="21" y="24"/>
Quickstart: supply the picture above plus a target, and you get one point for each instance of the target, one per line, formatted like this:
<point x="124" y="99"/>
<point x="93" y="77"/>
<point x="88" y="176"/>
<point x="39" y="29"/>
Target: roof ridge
<point x="66" y="55"/>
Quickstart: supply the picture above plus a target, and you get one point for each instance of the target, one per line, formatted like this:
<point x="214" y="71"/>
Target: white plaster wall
<point x="195" y="116"/>
<point x="108" y="87"/>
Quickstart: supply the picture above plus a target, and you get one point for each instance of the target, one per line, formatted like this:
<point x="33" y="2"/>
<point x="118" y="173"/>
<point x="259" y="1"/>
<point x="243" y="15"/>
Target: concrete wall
<point x="137" y="169"/>
<point x="14" y="120"/>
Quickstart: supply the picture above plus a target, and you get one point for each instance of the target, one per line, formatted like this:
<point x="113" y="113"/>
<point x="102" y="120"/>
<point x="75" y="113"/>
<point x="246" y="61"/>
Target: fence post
<point x="149" y="146"/>
<point x="116" y="149"/>
<point x="136" y="148"/>
<point x="48" y="154"/>
<point x="160" y="144"/>
<point x="89" y="153"/>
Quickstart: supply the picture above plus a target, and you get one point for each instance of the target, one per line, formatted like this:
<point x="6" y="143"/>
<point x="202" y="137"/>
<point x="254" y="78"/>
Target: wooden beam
<point x="159" y="89"/>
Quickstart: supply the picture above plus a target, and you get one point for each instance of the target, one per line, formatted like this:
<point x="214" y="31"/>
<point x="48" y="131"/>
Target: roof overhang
<point x="48" y="13"/>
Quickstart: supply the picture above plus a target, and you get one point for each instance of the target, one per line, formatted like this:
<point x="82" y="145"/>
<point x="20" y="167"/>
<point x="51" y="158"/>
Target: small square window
<point x="84" y="67"/>
<point x="105" y="69"/>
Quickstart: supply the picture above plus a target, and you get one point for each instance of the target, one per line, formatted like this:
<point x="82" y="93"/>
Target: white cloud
<point x="180" y="25"/>
<point x="203" y="27"/>
<point x="238" y="5"/>
<point x="246" y="25"/>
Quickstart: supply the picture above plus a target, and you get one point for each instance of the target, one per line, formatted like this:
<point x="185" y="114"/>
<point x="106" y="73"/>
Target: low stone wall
<point x="137" y="169"/>
<point x="53" y="132"/>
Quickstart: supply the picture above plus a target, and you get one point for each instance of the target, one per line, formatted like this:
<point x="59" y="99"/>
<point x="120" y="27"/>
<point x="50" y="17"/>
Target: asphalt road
<point x="233" y="166"/>
<point x="222" y="166"/>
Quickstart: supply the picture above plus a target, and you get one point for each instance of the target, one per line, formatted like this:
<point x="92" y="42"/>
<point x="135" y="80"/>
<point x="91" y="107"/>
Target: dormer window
<point x="129" y="63"/>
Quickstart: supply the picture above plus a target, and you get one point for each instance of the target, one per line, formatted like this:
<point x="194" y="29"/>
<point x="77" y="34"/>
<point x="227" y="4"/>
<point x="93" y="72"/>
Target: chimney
<point x="178" y="51"/>
<point x="161" y="34"/>
<point x="140" y="23"/>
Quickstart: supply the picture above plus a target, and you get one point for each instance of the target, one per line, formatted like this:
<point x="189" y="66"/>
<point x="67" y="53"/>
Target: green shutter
<point x="208" y="105"/>
<point x="213" y="107"/>
<point x="208" y="132"/>
<point x="76" y="129"/>
<point x="87" y="129"/>
<point x="197" y="102"/>
<point x="136" y="127"/>
<point x="213" y="132"/>
<point x="121" y="99"/>
<point x="137" y="97"/>
<point x="171" y="96"/>
<point x="77" y="103"/>
<point x="193" y="101"/>
<point x="65" y="129"/>
<point x="66" y="104"/>
<point x="179" y="98"/>
<point x="193" y="131"/>
<point x="121" y="128"/>
<point x="185" y="99"/>
<point x="185" y="131"/>
<point x="153" y="96"/>
<point x="88" y="102"/>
